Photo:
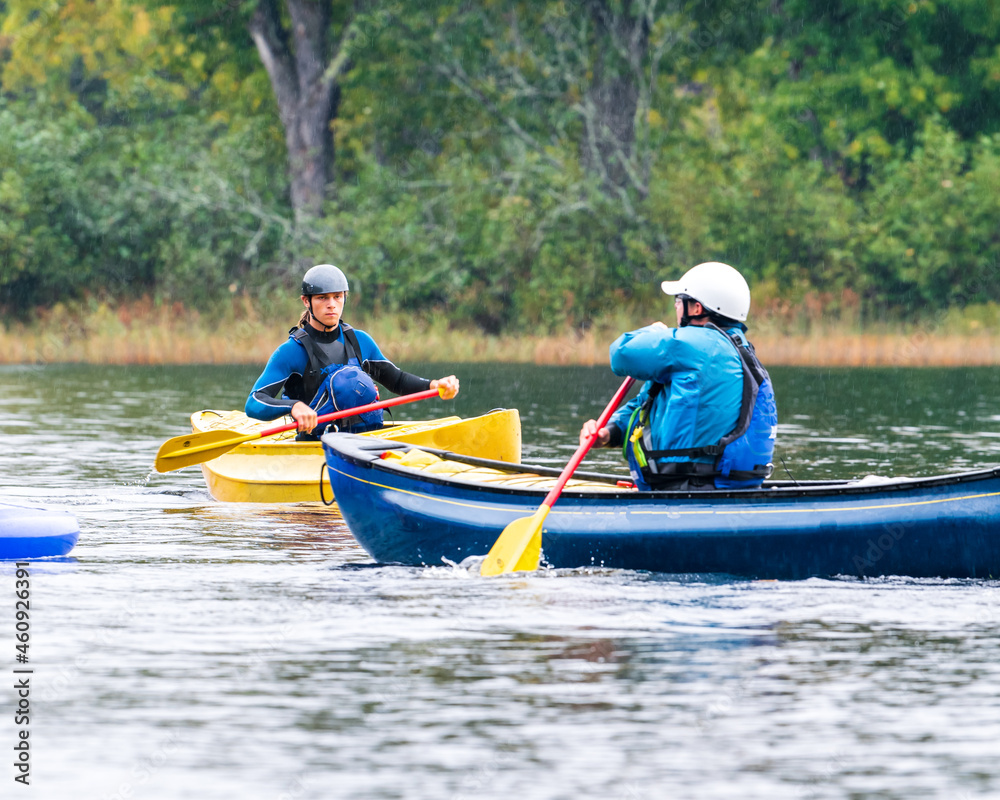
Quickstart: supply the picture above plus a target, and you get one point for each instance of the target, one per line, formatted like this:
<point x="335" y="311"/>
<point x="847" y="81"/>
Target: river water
<point x="189" y="648"/>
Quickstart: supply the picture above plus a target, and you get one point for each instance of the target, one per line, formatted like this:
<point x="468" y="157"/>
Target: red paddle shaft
<point x="584" y="448"/>
<point x="350" y="412"/>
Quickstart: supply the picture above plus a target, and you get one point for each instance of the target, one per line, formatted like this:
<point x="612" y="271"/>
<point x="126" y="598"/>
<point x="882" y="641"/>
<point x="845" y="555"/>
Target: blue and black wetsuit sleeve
<point x="383" y="371"/>
<point x="266" y="400"/>
<point x="393" y="378"/>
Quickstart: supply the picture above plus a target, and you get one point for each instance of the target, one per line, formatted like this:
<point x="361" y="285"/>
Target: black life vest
<point x="323" y="356"/>
<point x="336" y="380"/>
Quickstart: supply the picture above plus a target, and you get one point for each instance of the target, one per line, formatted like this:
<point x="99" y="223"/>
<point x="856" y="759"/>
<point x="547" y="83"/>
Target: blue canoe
<point x="35" y="532"/>
<point x="405" y="508"/>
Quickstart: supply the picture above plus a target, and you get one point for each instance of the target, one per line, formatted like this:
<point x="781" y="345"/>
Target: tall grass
<point x="143" y="332"/>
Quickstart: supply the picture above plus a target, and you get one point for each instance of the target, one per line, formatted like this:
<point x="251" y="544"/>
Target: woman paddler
<point x="326" y="366"/>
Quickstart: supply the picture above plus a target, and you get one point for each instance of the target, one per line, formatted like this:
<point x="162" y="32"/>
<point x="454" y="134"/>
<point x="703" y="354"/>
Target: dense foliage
<point x="508" y="164"/>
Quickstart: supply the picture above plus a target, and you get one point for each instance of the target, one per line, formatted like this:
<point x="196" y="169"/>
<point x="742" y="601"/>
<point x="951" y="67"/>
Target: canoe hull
<point x="943" y="527"/>
<point x="281" y="470"/>
<point x="27" y="533"/>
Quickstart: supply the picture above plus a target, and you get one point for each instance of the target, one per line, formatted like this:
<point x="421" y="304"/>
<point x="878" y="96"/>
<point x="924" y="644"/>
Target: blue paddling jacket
<point x="706" y="411"/>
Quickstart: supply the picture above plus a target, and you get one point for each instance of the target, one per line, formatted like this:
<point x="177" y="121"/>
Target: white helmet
<point x="718" y="287"/>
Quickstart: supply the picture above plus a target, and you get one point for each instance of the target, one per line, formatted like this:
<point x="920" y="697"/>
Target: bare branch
<point x="342" y="56"/>
<point x="457" y="75"/>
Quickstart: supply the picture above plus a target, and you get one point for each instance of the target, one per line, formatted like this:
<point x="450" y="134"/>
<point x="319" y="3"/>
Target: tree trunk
<point x="621" y="42"/>
<point x="307" y="94"/>
<point x="614" y="101"/>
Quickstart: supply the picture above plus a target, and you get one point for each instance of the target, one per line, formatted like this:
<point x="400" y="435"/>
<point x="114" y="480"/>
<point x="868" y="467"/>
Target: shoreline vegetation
<point x="143" y="334"/>
<point x="458" y="165"/>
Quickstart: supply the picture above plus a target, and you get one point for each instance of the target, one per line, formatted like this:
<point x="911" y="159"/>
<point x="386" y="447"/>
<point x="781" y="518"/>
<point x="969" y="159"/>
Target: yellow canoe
<point x="278" y="469"/>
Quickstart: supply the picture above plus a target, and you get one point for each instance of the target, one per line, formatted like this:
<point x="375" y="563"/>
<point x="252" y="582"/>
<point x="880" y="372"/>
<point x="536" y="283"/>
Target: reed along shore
<point x="177" y="336"/>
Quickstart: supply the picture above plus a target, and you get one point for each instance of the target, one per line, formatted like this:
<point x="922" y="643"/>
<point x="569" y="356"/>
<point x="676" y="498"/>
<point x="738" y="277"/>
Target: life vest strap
<point x="318" y="361"/>
<point x="688" y="452"/>
<point x="679" y="469"/>
<point x="671" y="470"/>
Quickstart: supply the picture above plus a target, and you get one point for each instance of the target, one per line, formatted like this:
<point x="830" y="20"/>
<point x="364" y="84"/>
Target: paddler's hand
<point x="305" y="416"/>
<point x="589" y="429"/>
<point x="447" y="387"/>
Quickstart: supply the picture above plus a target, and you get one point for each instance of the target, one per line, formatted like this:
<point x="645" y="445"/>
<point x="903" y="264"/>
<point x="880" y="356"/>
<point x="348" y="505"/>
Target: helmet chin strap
<point x="326" y="328"/>
<point x="685" y="317"/>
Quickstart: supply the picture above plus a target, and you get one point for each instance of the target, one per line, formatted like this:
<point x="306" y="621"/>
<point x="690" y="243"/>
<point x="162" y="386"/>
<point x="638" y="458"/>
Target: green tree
<point x="136" y="158"/>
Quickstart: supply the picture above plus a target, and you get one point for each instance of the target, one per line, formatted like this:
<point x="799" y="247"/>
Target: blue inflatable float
<point x="35" y="532"/>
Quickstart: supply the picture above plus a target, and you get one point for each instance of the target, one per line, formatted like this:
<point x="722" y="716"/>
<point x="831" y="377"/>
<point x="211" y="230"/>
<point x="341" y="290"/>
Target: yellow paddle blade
<point x="194" y="448"/>
<point x="519" y="547"/>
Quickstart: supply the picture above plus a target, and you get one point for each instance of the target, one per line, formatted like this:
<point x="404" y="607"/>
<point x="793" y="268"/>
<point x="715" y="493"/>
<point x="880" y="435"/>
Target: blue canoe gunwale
<point x="939" y="526"/>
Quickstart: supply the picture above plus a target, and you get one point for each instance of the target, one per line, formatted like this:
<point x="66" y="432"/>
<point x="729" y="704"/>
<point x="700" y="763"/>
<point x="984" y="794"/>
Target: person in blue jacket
<point x="326" y="365"/>
<point x="706" y="416"/>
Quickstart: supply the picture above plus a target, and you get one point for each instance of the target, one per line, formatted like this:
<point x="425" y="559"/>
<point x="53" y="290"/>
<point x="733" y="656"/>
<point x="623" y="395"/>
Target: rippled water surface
<point x="195" y="649"/>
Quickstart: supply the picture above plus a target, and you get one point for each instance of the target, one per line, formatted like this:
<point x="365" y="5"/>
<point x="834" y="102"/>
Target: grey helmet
<point x="324" y="279"/>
